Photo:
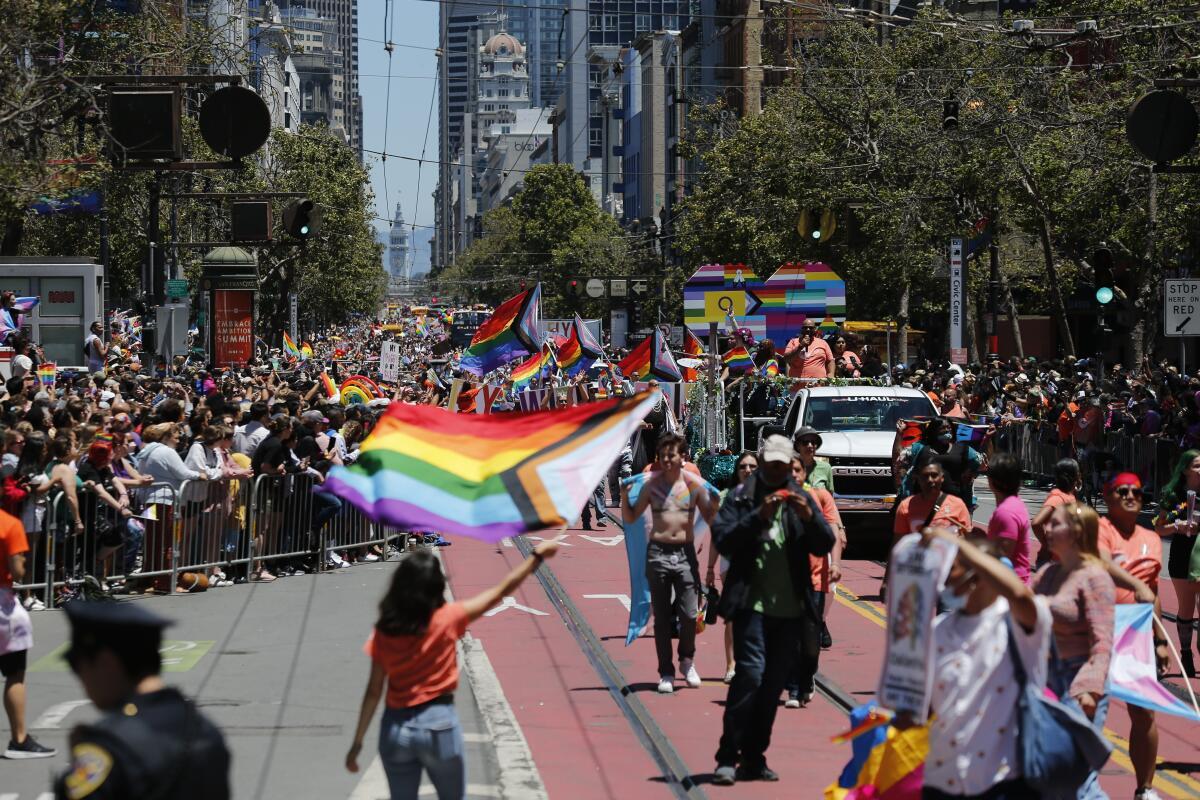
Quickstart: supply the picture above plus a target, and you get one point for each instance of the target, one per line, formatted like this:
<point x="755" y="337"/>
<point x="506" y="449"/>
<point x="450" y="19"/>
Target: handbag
<point x="1057" y="746"/>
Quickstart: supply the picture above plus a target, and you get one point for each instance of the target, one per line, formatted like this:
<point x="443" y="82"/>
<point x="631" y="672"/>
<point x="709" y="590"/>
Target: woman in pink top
<point x="1067" y="482"/>
<point x="1082" y="597"/>
<point x="1009" y="526"/>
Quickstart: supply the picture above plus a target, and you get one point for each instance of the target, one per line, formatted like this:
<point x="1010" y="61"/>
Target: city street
<point x="569" y="710"/>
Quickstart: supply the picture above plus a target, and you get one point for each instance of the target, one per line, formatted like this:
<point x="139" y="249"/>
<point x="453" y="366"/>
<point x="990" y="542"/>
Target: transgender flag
<point x="1131" y="674"/>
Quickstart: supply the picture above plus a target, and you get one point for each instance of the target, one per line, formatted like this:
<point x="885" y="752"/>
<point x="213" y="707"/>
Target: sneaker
<point x="1147" y="794"/>
<point x="30" y="748"/>
<point x="826" y="639"/>
<point x="729" y="676"/>
<point x="688" y="669"/>
<point x="725" y="775"/>
<point x="371" y="558"/>
<point x="33" y="604"/>
<point x="763" y="773"/>
<point x="666" y="684"/>
<point x="601" y="523"/>
<point x="792" y="702"/>
<point x="806" y="698"/>
<point x="216" y="582"/>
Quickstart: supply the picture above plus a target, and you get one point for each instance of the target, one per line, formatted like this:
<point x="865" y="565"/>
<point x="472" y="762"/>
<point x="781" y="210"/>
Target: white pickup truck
<point x="858" y="428"/>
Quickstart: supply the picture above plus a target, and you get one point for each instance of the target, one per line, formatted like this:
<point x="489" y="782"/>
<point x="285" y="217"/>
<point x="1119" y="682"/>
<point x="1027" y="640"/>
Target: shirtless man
<point x="673" y="497"/>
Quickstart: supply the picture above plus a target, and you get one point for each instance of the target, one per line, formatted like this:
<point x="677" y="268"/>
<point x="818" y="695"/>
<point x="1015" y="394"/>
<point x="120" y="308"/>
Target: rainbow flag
<point x="651" y="359"/>
<point x="887" y="763"/>
<point x="289" y="347"/>
<point x="422" y="331"/>
<point x="510" y="333"/>
<point x="540" y="365"/>
<point x="331" y="389"/>
<point x="306" y="351"/>
<point x="483" y="475"/>
<point x="46" y="372"/>
<point x="693" y="348"/>
<point x="770" y="369"/>
<point x="738" y="360"/>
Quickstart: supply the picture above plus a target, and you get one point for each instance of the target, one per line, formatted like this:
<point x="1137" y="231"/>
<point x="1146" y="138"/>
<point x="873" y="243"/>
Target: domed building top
<point x="504" y="44"/>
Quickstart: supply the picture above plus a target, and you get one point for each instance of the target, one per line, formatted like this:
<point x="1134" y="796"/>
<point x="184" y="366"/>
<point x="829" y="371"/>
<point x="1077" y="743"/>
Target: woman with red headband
<point x="1134" y="555"/>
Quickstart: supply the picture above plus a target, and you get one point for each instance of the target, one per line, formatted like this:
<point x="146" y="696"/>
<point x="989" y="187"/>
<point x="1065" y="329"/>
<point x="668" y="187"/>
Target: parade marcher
<point x="1178" y="516"/>
<point x="820" y="475"/>
<point x="826" y="571"/>
<point x="1138" y="552"/>
<point x="960" y="462"/>
<point x="973" y="738"/>
<point x="1067" y="483"/>
<point x="767" y="528"/>
<point x="412" y="651"/>
<point x="745" y="466"/>
<point x="673" y="496"/>
<point x="94" y="348"/>
<point x="150" y="741"/>
<point x="931" y="505"/>
<point x="1010" y="525"/>
<point x="16" y="639"/>
<point x="1081" y="597"/>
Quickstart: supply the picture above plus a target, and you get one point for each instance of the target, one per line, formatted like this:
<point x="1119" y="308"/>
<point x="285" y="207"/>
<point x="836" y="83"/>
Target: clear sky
<point x="403" y="126"/>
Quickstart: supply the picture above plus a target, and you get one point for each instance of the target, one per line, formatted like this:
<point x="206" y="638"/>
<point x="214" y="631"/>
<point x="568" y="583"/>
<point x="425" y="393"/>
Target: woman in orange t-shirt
<point x="413" y="647"/>
<point x="1067" y="482"/>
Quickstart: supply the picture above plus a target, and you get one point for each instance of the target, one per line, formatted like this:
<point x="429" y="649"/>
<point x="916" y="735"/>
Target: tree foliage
<point x="1039" y="150"/>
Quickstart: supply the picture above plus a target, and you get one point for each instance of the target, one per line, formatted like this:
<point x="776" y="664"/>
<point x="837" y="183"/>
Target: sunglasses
<point x="1128" y="491"/>
<point x="810" y="442"/>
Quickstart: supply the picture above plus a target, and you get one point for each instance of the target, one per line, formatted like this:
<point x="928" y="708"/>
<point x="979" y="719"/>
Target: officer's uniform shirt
<point x="157" y="745"/>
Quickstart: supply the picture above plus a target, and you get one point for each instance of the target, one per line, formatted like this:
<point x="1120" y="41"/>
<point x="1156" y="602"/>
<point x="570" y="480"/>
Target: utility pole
<point x="993" y="318"/>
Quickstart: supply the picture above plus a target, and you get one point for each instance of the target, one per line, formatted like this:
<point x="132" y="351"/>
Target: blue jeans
<point x="425" y="737"/>
<point x="765" y="650"/>
<point x="1061" y="672"/>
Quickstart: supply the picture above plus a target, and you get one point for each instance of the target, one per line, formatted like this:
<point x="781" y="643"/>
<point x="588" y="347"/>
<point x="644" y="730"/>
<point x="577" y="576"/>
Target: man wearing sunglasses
<point x="1138" y="553"/>
<point x="150" y="741"/>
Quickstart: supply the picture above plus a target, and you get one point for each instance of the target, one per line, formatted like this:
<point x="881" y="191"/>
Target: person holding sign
<point x="973" y="735"/>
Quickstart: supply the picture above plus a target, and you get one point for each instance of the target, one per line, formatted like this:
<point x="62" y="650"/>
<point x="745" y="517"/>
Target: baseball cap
<point x="806" y="432"/>
<point x="314" y="416"/>
<point x="106" y="396"/>
<point x="777" y="448"/>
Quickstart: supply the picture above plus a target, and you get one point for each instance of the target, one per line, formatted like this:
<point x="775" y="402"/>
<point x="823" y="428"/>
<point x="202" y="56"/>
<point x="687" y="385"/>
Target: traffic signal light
<point x="1103" y="278"/>
<point x="949" y="114"/>
<point x="574" y="287"/>
<point x="817" y="224"/>
<point x="635" y="317"/>
<point x="302" y="218"/>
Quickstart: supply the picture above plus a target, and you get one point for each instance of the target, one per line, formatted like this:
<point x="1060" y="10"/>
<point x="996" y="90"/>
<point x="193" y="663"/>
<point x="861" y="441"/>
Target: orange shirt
<point x="1056" y="498"/>
<point x="1140" y="555"/>
<point x="1066" y="422"/>
<point x="810" y="362"/>
<point x="12" y="542"/>
<point x="820" y="564"/>
<point x="423" y="667"/>
<point x="914" y="510"/>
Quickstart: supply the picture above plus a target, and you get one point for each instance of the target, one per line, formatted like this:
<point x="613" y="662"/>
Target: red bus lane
<point x="580" y="741"/>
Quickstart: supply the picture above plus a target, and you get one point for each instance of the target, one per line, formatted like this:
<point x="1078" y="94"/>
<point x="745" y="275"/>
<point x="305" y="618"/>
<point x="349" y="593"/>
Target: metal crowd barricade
<point x="281" y="513"/>
<point x="348" y="533"/>
<point x="212" y="526"/>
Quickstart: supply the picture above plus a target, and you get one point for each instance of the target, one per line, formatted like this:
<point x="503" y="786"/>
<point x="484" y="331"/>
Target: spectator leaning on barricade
<point x="160" y="460"/>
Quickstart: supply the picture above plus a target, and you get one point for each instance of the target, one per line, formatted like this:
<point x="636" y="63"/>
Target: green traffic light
<point x="1104" y="295"/>
<point x="816" y="234"/>
<point x="304" y="230"/>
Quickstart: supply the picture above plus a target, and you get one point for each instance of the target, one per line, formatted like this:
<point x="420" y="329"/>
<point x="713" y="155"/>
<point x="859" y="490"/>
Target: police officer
<point x="151" y="741"/>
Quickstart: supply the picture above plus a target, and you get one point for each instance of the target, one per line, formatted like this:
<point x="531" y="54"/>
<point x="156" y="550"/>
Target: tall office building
<point x="399" y="251"/>
<point x="339" y="57"/>
<point x="588" y="113"/>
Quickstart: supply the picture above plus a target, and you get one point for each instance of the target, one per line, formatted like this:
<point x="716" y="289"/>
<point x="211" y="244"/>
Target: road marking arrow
<point x="623" y="598"/>
<point x="511" y="602"/>
<point x="1179" y="328"/>
<point x="607" y="541"/>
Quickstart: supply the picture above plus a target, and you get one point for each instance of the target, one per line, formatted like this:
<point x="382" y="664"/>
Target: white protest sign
<point x="917" y="573"/>
<point x="389" y="361"/>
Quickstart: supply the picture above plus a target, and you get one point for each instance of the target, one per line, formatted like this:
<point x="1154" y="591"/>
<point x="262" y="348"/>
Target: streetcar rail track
<point x="674" y="769"/>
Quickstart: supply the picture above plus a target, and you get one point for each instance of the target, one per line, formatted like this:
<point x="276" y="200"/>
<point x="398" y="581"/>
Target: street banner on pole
<point x="958" y="302"/>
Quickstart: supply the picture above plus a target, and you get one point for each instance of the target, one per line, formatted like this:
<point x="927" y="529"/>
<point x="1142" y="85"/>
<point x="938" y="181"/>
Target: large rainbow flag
<point x="580" y="350"/>
<point x="482" y="475"/>
<point x="651" y="359"/>
<point x="289" y="346"/>
<point x="510" y="333"/>
<point x="693" y="348"/>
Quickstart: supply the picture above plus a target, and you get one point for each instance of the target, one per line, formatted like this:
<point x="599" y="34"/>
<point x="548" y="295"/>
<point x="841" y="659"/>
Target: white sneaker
<point x="666" y="684"/>
<point x="1147" y="794"/>
<point x="33" y="604"/>
<point x="688" y="668"/>
<point x="371" y="558"/>
<point x="729" y="676"/>
<point x="791" y="702"/>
